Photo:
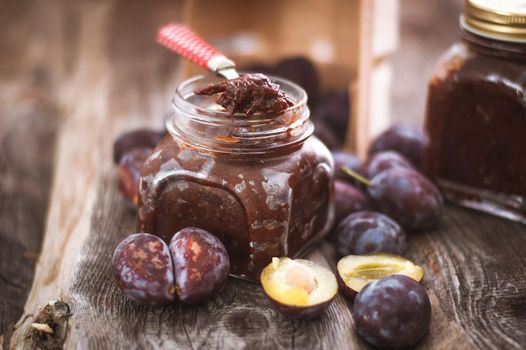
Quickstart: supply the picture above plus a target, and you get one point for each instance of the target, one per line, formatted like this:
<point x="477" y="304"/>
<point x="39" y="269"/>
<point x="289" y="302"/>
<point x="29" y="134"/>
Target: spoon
<point x="182" y="40"/>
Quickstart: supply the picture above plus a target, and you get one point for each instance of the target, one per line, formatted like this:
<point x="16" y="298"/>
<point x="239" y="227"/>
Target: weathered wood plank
<point x="44" y="52"/>
<point x="29" y="117"/>
<point x="239" y="317"/>
<point x="477" y="269"/>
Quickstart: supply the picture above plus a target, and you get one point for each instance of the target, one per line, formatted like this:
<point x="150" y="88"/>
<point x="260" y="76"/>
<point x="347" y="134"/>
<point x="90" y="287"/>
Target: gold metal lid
<point x="497" y="19"/>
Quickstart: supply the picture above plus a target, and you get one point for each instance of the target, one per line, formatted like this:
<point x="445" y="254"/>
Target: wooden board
<point x="28" y="122"/>
<point x="103" y="75"/>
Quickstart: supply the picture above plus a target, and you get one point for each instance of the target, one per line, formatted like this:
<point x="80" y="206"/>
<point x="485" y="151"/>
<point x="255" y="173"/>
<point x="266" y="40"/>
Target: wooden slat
<point x="360" y="90"/>
<point x="29" y="116"/>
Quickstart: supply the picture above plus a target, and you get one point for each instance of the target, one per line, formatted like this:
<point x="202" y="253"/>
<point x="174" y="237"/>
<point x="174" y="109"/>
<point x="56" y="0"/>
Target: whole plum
<point x="368" y="232"/>
<point x="348" y="199"/>
<point x="334" y="109"/>
<point x="201" y="264"/>
<point x="393" y="312"/>
<point x="143" y="269"/>
<point x="325" y="134"/>
<point x="348" y="160"/>
<point x="408" y="197"/>
<point x="140" y="138"/>
<point x="406" y="139"/>
<point x="384" y="160"/>
<point x="301" y="71"/>
<point x="129" y="172"/>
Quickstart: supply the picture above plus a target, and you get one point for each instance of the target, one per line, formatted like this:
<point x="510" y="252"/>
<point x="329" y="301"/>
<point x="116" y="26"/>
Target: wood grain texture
<point x="28" y="120"/>
<point x="106" y="76"/>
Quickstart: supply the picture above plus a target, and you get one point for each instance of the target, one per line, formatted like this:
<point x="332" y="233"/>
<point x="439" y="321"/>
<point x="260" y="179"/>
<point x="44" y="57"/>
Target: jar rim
<point x="221" y="117"/>
<point x="205" y="126"/>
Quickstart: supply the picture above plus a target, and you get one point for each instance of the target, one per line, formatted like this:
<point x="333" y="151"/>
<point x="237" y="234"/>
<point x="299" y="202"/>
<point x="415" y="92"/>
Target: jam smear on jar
<point x="262" y="184"/>
<point x="249" y="94"/>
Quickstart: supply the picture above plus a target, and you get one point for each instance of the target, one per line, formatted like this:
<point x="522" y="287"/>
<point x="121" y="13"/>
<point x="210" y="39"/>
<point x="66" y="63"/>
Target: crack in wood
<point x="186" y="332"/>
<point x="49" y="328"/>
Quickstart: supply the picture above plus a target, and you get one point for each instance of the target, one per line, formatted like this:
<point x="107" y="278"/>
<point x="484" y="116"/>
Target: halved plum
<point x="298" y="288"/>
<point x="201" y="264"/>
<point x="143" y="269"/>
<point x="356" y="271"/>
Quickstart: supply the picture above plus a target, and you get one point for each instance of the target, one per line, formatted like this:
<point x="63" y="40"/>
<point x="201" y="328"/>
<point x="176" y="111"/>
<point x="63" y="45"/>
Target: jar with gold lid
<point x="476" y="112"/>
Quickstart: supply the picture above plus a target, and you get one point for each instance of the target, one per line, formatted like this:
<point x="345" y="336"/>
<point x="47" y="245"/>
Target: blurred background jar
<point x="476" y="112"/>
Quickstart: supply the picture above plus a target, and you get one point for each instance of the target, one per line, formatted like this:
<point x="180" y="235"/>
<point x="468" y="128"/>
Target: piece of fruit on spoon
<point x="298" y="288"/>
<point x="356" y="271"/>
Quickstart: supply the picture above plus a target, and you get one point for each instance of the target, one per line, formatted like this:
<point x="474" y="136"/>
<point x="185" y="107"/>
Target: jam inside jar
<point x="476" y="122"/>
<point x="263" y="184"/>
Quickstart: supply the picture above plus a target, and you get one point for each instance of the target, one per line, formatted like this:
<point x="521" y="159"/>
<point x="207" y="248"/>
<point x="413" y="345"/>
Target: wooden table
<point x="73" y="75"/>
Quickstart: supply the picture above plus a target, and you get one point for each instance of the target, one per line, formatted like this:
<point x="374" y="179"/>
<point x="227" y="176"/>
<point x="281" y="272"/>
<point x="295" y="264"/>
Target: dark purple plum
<point x="384" y="160"/>
<point x="201" y="264"/>
<point x="129" y="172"/>
<point x="143" y="269"/>
<point x="334" y="109"/>
<point x="141" y="138"/>
<point x="325" y="134"/>
<point x="301" y="71"/>
<point x="369" y="232"/>
<point x="348" y="199"/>
<point x="393" y="312"/>
<point x="406" y="139"/>
<point x="348" y="160"/>
<point x="408" y="197"/>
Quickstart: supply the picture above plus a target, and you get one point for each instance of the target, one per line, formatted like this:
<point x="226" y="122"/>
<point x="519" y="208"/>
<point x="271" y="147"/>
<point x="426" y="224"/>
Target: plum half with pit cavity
<point x="356" y="271"/>
<point x="201" y="264"/>
<point x="143" y="269"/>
<point x="298" y="288"/>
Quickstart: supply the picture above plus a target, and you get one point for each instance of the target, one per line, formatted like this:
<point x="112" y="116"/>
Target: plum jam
<point x="475" y="127"/>
<point x="261" y="183"/>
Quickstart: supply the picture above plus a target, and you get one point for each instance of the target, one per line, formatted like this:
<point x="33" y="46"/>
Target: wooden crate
<point x="349" y="41"/>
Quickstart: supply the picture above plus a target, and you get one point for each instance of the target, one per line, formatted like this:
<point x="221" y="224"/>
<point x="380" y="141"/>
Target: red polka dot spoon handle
<point x="186" y="43"/>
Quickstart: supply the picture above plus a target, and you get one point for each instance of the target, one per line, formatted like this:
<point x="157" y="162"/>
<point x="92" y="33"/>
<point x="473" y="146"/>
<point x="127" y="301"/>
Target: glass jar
<point x="476" y="113"/>
<point x="263" y="185"/>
